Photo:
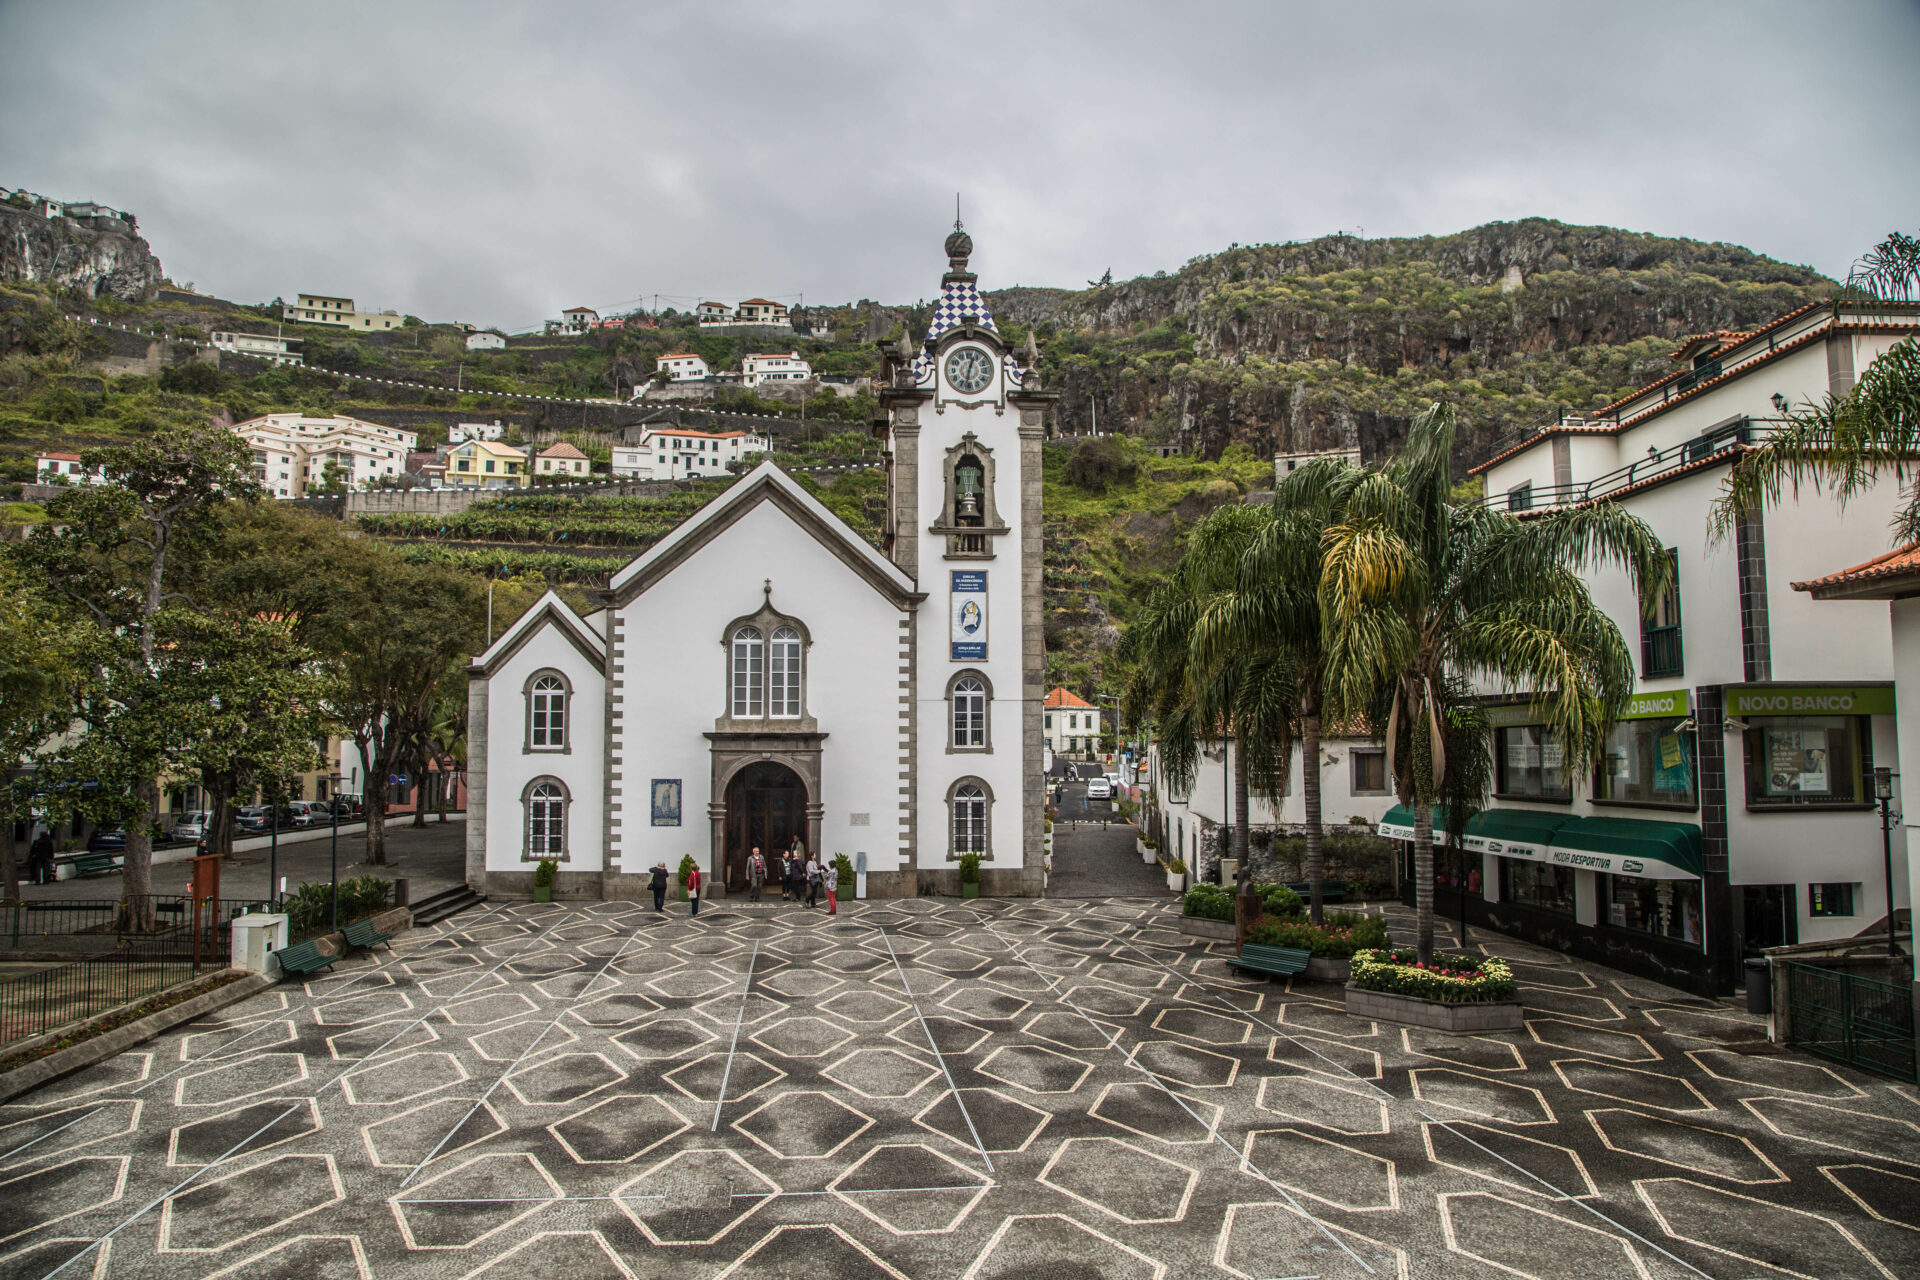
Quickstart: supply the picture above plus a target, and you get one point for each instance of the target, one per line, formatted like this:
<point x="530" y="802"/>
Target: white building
<point x="261" y="346"/>
<point x="753" y="666"/>
<point x="684" y="367"/>
<point x="320" y="308"/>
<point x="1070" y="723"/>
<point x="293" y="454"/>
<point x="1284" y="463"/>
<point x="561" y="459"/>
<point x="1729" y="812"/>
<point x="485" y="341"/>
<point x="761" y="311"/>
<point x="710" y="314"/>
<point x="756" y="369"/>
<point x="65" y="468"/>
<point x="578" y="319"/>
<point x="674" y="453"/>
<point x="465" y="431"/>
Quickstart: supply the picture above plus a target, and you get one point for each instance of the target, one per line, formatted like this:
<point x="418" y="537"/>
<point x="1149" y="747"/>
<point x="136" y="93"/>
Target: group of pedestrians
<point x="801" y="879"/>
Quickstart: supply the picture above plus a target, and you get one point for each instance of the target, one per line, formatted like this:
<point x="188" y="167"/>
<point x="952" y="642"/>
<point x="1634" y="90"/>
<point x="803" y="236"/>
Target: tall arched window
<point x="969" y="713"/>
<point x="783" y="670"/>
<point x="546" y="820"/>
<point x="547" y="713"/>
<point x="749" y="672"/>
<point x="969" y="810"/>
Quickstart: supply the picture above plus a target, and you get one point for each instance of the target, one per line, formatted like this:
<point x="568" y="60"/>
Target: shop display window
<point x="1647" y="762"/>
<point x="1664" y="908"/>
<point x="1535" y="884"/>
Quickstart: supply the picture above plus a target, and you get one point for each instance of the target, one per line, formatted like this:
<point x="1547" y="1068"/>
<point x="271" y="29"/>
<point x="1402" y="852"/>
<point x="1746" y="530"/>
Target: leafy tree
<point x="1417" y="589"/>
<point x="1100" y="463"/>
<point x="122" y="554"/>
<point x="40" y="672"/>
<point x="1850" y="441"/>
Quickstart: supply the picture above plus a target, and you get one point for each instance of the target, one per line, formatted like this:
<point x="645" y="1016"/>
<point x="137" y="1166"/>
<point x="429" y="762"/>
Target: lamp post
<point x="1883" y="796"/>
<point x="333" y="790"/>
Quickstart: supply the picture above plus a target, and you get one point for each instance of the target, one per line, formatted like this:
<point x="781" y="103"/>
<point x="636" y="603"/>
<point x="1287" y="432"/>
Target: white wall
<point x="511" y="766"/>
<point x="675" y="661"/>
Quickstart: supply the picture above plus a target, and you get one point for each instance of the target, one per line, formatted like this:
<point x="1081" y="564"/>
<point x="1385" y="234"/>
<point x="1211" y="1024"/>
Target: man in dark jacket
<point x="40" y="858"/>
<point x="658" y="884"/>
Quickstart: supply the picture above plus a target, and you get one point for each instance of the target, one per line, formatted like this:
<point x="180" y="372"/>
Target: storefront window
<point x="1664" y="908"/>
<point x="1806" y="760"/>
<point x="1830" y="899"/>
<point x="1647" y="762"/>
<point x="1533" y="764"/>
<point x="1535" y="884"/>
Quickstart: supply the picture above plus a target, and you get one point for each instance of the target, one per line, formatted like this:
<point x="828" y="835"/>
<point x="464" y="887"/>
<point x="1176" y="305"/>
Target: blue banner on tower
<point x="969" y="636"/>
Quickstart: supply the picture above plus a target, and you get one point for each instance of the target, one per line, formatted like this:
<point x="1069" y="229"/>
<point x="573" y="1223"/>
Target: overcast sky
<point x="497" y="162"/>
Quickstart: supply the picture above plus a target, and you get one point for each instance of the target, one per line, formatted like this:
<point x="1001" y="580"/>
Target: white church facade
<point x="764" y="673"/>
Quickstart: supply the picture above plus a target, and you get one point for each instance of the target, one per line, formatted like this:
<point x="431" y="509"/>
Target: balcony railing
<point x="1661" y="653"/>
<point x="1656" y="463"/>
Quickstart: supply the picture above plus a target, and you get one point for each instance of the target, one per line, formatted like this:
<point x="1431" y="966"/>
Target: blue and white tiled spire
<point x="960" y="302"/>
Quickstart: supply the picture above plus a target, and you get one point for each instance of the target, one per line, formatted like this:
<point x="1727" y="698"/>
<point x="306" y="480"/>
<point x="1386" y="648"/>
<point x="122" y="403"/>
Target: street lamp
<point x="333" y="790"/>
<point x="1883" y="796"/>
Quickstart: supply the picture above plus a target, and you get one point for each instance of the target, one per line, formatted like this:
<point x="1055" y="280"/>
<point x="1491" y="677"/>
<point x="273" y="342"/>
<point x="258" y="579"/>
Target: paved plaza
<point x="934" y="1089"/>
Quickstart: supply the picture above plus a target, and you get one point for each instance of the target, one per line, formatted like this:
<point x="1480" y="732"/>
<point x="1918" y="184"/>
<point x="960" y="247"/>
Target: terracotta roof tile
<point x="561" y="450"/>
<point x="1895" y="563"/>
<point x="1064" y="698"/>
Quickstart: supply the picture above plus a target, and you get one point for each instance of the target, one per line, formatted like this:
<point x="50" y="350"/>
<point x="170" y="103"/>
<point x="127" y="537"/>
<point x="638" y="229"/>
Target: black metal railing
<point x="1661" y="652"/>
<point x="1851" y="1019"/>
<point x="172" y="916"/>
<point x="46" y="999"/>
<point x="1658" y="462"/>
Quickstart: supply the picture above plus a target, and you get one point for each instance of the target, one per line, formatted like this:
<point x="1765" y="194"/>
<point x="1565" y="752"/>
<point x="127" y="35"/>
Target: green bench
<point x="1279" y="962"/>
<point x="1330" y="891"/>
<point x="303" y="958"/>
<point x="361" y="933"/>
<point x="90" y="864"/>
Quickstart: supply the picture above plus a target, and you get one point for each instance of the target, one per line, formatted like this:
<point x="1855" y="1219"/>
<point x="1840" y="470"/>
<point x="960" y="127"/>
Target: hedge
<point x="1450" y="979"/>
<point x="1215" y="902"/>
<point x="1343" y="934"/>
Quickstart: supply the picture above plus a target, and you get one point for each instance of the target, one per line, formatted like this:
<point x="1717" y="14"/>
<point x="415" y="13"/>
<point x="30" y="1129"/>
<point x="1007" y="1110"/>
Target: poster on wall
<point x="1796" y="761"/>
<point x="969" y="604"/>
<point x="666" y="802"/>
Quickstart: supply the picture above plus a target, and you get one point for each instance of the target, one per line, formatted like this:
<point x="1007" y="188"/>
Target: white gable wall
<point x="511" y="766"/>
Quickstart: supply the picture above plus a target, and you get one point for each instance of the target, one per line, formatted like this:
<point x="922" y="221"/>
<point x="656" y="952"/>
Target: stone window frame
<point x="527" y="745"/>
<point x="986" y="818"/>
<point x="767" y="621"/>
<point x="985" y="746"/>
<point x="526" y="819"/>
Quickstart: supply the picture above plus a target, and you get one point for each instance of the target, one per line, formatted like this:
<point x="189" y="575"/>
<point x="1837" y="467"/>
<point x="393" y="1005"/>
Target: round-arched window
<point x="547" y="714"/>
<point x="969" y="819"/>
<point x="783" y="674"/>
<point x="969" y="712"/>
<point x="546" y="820"/>
<point x="749" y="672"/>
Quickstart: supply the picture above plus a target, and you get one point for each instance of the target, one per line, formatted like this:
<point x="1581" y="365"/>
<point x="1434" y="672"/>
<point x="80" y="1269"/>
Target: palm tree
<point x="1419" y="588"/>
<point x="1243" y="695"/>
<point x="1847" y="441"/>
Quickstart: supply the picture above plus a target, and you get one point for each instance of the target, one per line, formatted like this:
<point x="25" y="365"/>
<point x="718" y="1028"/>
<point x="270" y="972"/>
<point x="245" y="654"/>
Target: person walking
<point x="756" y="874"/>
<point x="780" y="867"/>
<point x="40" y="858"/>
<point x="693" y="890"/>
<point x="797" y="869"/>
<point x="659" y="886"/>
<point x="832" y="876"/>
<point x="813" y="882"/>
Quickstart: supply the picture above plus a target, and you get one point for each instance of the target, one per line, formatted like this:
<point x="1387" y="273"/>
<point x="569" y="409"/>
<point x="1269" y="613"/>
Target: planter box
<point x="1176" y="882"/>
<point x="1201" y="927"/>
<point x="1149" y="856"/>
<point x="1330" y="969"/>
<point x="1461" y="1019"/>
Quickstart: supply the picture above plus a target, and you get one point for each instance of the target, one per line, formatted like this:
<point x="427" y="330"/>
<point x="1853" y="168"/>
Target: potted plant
<point x="1176" y="875"/>
<point x="969" y="875"/>
<point x="1149" y="850"/>
<point x="843" y="877"/>
<point x="543" y="874"/>
<point x="685" y="873"/>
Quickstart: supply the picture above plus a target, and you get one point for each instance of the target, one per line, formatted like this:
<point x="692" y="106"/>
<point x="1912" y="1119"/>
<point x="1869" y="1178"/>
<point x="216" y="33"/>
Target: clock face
<point x="969" y="369"/>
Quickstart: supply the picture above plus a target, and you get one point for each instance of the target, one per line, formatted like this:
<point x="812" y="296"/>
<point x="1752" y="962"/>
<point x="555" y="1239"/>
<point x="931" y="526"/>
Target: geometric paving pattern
<point x="936" y="1089"/>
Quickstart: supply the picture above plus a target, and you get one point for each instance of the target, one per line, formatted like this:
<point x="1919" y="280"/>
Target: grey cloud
<point x="497" y="162"/>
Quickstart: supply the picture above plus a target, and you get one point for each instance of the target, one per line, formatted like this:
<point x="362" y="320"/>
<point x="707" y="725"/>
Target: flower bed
<point x="1450" y="979"/>
<point x="1345" y="933"/>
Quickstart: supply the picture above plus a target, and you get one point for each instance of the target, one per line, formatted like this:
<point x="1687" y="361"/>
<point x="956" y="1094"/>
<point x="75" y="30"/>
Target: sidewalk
<point x="431" y="858"/>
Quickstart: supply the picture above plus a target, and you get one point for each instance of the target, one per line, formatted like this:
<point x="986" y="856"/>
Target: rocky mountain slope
<point x="71" y="255"/>
<point x="1340" y="340"/>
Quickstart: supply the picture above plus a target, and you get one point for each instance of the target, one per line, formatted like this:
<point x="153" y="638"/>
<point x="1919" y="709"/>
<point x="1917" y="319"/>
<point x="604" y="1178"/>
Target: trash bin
<point x="1759" y="985"/>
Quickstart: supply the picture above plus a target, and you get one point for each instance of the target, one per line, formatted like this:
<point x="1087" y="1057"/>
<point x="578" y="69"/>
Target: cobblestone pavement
<point x="1095" y="861"/>
<point x="1043" y="1090"/>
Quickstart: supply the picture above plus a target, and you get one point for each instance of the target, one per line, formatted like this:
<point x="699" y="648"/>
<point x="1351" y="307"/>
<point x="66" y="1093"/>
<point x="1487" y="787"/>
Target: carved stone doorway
<point x="767" y="809"/>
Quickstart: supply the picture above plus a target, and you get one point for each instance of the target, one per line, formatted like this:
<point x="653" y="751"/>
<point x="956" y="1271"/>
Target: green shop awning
<point x="1630" y="847"/>
<point x="1514" y="833"/>
<point x="1398" y="823"/>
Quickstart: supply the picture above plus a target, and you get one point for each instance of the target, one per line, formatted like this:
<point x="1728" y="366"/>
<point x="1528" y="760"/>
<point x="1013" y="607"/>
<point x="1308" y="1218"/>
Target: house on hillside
<point x="756" y="369"/>
<point x="483" y="464"/>
<point x="562" y="459"/>
<point x="684" y="367"/>
<point x="485" y="341"/>
<point x="761" y="311"/>
<point x="294" y="455"/>
<point x="578" y="319"/>
<point x="713" y="313"/>
<point x="1070" y="724"/>
<point x="675" y="453"/>
<point x="65" y="468"/>
<point x="1284" y="464"/>
<point x="465" y="431"/>
<point x="319" y="308"/>
<point x="260" y="346"/>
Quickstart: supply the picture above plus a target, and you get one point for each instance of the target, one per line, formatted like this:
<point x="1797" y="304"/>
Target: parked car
<point x="310" y="813"/>
<point x="108" y="840"/>
<point x="192" y="825"/>
<point x="348" y="807"/>
<point x="257" y="819"/>
<point x="1099" y="789"/>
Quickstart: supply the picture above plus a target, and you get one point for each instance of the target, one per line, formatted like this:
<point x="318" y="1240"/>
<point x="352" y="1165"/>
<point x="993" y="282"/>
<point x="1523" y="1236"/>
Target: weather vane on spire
<point x="956" y="212"/>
